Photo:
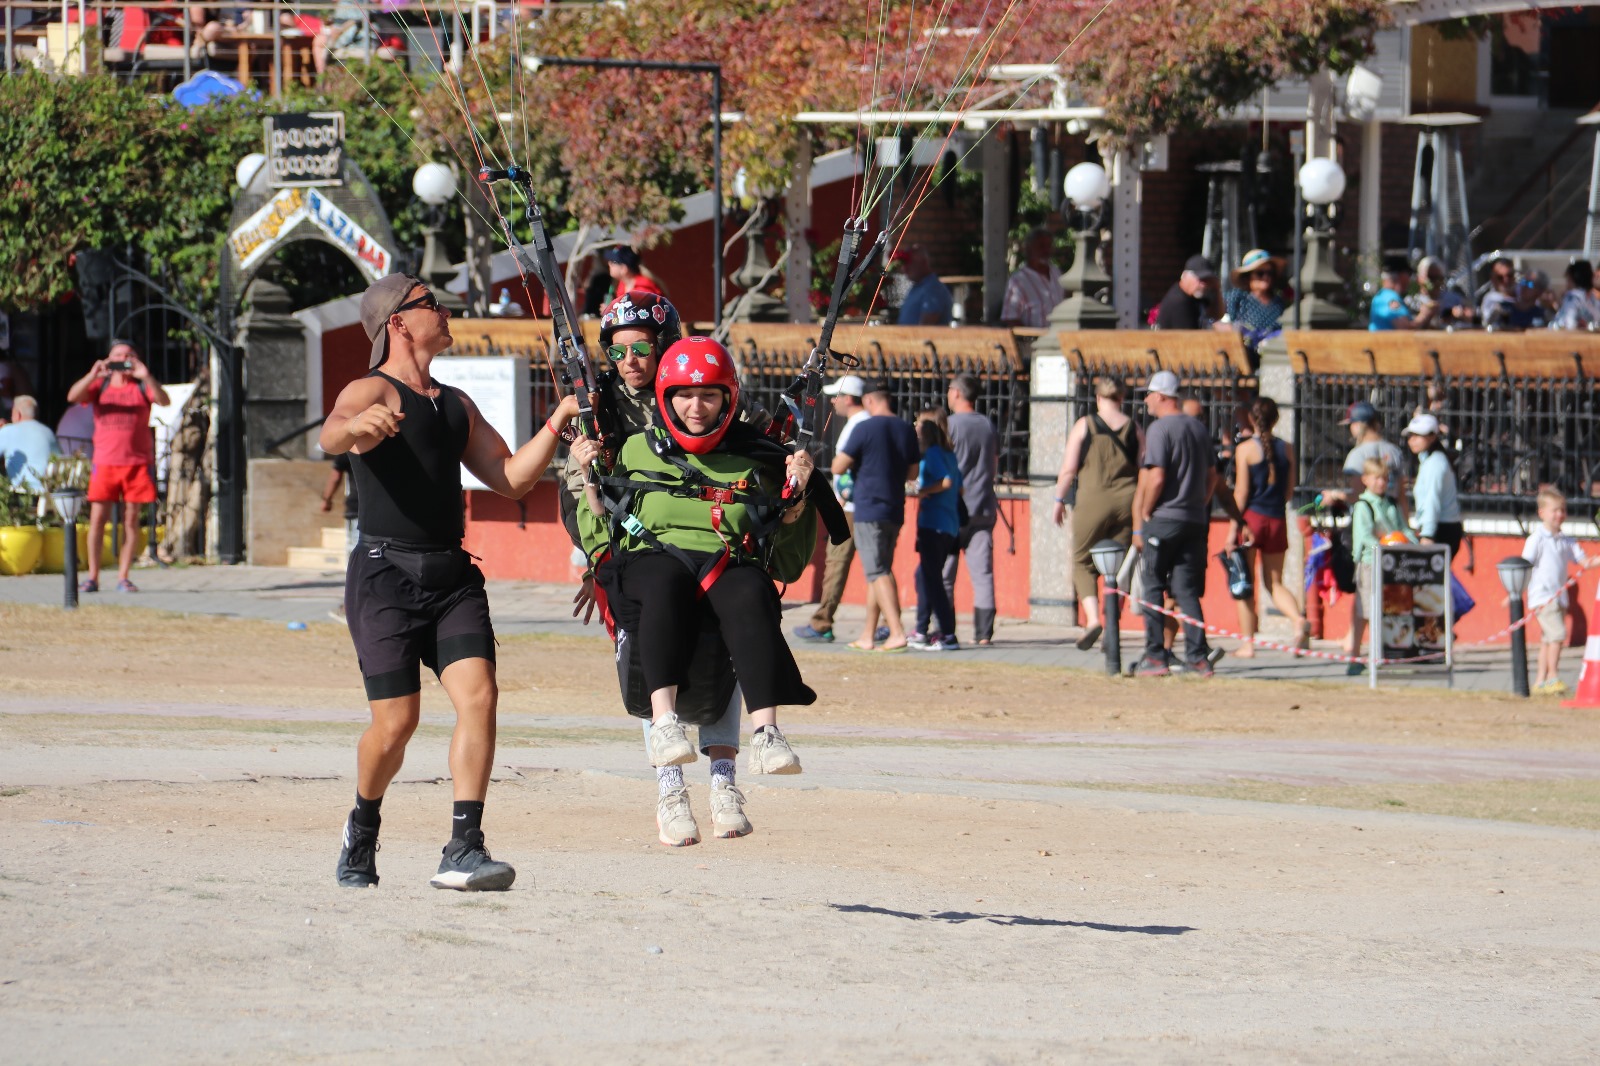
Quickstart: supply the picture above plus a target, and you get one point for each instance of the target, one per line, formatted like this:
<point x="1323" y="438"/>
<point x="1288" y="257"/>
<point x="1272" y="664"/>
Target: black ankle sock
<point x="760" y="728"/>
<point x="465" y="815"/>
<point x="366" y="812"/>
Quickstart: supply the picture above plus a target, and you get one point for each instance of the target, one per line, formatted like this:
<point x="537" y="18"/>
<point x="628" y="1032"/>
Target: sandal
<point x="1090" y="636"/>
<point x="89" y="585"/>
<point x="127" y="586"/>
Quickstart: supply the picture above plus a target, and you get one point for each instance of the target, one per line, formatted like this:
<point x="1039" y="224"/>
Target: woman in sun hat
<point x="1258" y="298"/>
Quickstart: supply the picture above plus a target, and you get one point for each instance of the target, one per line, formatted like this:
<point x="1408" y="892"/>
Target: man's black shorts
<point x="396" y="624"/>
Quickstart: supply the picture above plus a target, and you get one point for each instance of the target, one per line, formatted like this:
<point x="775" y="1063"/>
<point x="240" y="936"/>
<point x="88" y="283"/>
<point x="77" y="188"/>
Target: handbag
<point x="1461" y="601"/>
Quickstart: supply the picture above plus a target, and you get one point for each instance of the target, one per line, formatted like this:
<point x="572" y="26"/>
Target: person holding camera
<point x="121" y="390"/>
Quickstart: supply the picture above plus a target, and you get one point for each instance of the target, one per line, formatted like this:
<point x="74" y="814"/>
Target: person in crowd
<point x="1188" y="304"/>
<point x="882" y="455"/>
<point x="1366" y="431"/>
<point x="349" y="28"/>
<point x="928" y="302"/>
<point x="938" y="487"/>
<point x="1532" y="306"/>
<point x="1435" y="302"/>
<point x="1437" y="509"/>
<point x="1264" y="474"/>
<point x="1551" y="552"/>
<point x="413" y="597"/>
<point x="1388" y="310"/>
<point x="1171" y="511"/>
<point x="1374" y="518"/>
<point x="1580" y="305"/>
<point x="26" y="445"/>
<point x="628" y="273"/>
<point x="1103" y="451"/>
<point x="674" y="550"/>
<point x="977" y="449"/>
<point x="121" y="390"/>
<point x="1035" y="287"/>
<point x="1258" y="298"/>
<point x="1500" y="299"/>
<point x="845" y="396"/>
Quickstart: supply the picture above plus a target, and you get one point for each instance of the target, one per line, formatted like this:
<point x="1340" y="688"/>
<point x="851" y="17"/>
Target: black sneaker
<point x="466" y="866"/>
<point x="1149" y="667"/>
<point x="358" y="859"/>
<point x="1202" y="668"/>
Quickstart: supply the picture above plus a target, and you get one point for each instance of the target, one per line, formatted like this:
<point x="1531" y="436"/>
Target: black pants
<point x="748" y="616"/>
<point x="1449" y="533"/>
<point x="1175" y="562"/>
<point x="933" y="599"/>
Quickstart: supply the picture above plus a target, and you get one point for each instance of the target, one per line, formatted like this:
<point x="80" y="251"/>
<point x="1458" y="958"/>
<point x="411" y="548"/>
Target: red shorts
<point x="118" y="484"/>
<point x="1271" y="534"/>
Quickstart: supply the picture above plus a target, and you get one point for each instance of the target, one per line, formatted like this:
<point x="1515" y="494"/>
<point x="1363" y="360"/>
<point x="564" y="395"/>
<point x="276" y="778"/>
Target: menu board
<point x="499" y="385"/>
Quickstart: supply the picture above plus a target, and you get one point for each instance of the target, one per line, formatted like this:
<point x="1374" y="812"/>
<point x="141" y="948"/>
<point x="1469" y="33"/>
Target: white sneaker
<point x="675" y="824"/>
<point x="669" y="744"/>
<point x="727" y="812"/>
<point x="770" y="754"/>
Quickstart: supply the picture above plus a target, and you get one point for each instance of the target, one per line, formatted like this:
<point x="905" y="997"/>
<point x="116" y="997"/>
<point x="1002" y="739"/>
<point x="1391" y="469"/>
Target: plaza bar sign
<point x="341" y="229"/>
<point x="255" y="238"/>
<point x="305" y="149"/>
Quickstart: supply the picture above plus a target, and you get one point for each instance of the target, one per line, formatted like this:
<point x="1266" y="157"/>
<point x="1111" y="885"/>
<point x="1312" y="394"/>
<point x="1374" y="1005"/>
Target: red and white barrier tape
<point x="1338" y="657"/>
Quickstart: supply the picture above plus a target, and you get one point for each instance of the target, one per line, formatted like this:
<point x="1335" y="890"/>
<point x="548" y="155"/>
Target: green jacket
<point x="686" y="523"/>
<point x="1371" y="519"/>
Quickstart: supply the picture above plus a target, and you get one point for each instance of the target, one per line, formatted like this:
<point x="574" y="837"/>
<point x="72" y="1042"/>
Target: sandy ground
<point x="980" y="864"/>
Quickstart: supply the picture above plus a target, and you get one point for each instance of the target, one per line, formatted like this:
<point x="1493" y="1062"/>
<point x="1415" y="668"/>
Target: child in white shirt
<point x="1551" y="552"/>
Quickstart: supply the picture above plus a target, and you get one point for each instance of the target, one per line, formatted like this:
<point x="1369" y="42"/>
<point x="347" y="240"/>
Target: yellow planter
<point x="20" y="547"/>
<point x="52" y="559"/>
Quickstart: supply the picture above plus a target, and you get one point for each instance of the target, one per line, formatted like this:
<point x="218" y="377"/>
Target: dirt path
<point x="939" y="886"/>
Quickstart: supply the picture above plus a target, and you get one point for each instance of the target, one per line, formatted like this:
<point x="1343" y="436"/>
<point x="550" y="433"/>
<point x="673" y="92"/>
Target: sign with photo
<point x="1412" y="586"/>
<point x="305" y="149"/>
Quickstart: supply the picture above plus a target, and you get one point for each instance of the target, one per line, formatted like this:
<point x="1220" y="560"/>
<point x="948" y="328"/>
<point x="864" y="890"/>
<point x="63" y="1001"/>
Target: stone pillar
<point x="273" y="343"/>
<point x="797" y="221"/>
<point x="1276" y="381"/>
<point x="1050" y="563"/>
<point x="1370" y="205"/>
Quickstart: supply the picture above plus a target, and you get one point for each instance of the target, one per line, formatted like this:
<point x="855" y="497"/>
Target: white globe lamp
<point x="434" y="184"/>
<point x="1321" y="181"/>
<point x="245" y="172"/>
<point x="1087" y="186"/>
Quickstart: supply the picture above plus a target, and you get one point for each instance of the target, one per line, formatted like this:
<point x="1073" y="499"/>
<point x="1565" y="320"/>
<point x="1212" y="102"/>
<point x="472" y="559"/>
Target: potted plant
<point x="62" y="472"/>
<point x="21" y="540"/>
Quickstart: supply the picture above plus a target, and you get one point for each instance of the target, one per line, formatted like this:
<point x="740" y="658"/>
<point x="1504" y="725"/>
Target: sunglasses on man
<point x="427" y="300"/>
<point x="638" y="349"/>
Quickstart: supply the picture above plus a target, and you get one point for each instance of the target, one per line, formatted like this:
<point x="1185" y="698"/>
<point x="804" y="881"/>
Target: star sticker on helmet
<point x="697" y="377"/>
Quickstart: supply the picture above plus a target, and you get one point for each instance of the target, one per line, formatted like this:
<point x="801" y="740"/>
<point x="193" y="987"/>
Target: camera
<point x="120" y="364"/>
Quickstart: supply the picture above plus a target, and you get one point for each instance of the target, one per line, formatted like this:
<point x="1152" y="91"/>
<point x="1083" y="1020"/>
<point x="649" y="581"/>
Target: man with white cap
<point x="412" y="595"/>
<point x="1171" y="522"/>
<point x="845" y="396"/>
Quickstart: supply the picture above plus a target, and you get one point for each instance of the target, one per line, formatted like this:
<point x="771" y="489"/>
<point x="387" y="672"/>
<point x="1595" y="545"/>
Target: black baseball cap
<point x="1200" y="267"/>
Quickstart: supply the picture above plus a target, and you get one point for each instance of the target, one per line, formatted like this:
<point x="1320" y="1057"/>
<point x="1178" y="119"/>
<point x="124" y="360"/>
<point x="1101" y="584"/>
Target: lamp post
<point x="1320" y="182"/>
<point x="1108" y="556"/>
<point x="68" y="502"/>
<point x="1087" y="186"/>
<point x="435" y="184"/>
<point x="1514" y="573"/>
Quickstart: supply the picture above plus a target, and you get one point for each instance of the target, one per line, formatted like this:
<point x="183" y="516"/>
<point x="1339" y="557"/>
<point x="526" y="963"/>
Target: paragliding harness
<point x="704" y="697"/>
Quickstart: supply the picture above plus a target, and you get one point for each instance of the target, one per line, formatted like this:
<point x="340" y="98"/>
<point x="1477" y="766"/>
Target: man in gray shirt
<point x="977" y="449"/>
<point x="1171" y="522"/>
<point x="1366" y="430"/>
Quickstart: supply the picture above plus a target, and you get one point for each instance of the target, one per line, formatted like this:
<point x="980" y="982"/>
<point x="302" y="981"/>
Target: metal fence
<point x="1222" y="390"/>
<point x="1508" y="435"/>
<point x="915" y="382"/>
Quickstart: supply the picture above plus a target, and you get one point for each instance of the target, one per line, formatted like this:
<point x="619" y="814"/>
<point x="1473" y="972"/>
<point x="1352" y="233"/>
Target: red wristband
<point x="553" y="430"/>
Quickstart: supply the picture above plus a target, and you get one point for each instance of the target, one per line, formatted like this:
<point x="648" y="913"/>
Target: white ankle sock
<point x="668" y="778"/>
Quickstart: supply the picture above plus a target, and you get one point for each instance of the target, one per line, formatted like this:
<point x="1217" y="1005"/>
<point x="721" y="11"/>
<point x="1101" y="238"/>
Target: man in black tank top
<point x="412" y="595"/>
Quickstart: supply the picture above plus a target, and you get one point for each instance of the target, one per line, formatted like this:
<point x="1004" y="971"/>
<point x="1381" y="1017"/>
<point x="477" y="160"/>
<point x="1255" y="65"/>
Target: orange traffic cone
<point x="1588" y="694"/>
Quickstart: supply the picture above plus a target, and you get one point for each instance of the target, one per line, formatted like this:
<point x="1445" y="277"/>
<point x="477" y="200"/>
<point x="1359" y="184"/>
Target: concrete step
<point x="333" y="538"/>
<point x="317" y="559"/>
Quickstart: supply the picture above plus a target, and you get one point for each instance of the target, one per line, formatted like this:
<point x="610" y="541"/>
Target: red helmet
<point x="642" y="310"/>
<point x="696" y="361"/>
